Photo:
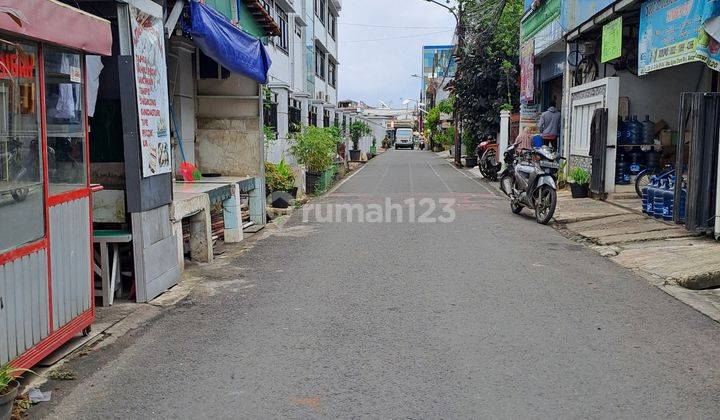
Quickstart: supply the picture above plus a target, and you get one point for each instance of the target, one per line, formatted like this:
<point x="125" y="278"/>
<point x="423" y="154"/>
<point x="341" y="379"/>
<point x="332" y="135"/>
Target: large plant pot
<point x="311" y="178"/>
<point x="471" y="161"/>
<point x="7" y="399"/>
<point x="579" y="190"/>
<point x="355" y="155"/>
<point x="370" y="155"/>
<point x="283" y="199"/>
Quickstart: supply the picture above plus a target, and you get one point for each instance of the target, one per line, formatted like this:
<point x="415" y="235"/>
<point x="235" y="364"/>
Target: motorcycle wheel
<point x="20" y="194"/>
<point x="545" y="205"/>
<point x="515" y="208"/>
<point x="489" y="162"/>
<point x="506" y="184"/>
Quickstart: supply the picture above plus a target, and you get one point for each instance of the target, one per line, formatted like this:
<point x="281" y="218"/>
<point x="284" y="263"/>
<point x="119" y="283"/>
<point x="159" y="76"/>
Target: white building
<point x="304" y="72"/>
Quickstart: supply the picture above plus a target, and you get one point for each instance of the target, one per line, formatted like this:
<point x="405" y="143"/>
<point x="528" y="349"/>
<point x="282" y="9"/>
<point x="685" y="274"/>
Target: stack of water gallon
<point x="659" y="198"/>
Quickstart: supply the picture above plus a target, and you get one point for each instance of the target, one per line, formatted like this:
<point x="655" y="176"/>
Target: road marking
<point x="473" y="179"/>
<point x="387" y="166"/>
<point x="412" y="187"/>
<point x="342" y="182"/>
<point x="439" y="177"/>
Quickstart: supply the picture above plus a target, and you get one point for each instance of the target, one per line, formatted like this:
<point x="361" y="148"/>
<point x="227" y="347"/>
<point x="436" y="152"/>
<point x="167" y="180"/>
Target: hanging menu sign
<point x="152" y="92"/>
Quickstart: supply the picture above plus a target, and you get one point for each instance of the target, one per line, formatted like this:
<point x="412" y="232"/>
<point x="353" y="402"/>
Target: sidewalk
<point x="682" y="264"/>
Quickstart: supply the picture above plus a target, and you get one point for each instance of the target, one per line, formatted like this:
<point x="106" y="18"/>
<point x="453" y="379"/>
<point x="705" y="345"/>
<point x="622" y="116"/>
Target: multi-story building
<point x="438" y="68"/>
<point x="303" y="78"/>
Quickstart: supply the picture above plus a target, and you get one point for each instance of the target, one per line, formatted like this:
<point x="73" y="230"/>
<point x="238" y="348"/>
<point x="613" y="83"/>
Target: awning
<point x="219" y="39"/>
<point x="58" y="23"/>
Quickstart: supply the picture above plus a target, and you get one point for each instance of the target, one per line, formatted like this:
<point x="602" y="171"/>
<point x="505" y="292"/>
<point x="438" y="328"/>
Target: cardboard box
<point x="665" y="137"/>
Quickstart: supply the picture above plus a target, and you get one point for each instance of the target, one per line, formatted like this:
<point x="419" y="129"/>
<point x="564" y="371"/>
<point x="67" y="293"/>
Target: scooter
<point x="530" y="181"/>
<point x="487" y="153"/>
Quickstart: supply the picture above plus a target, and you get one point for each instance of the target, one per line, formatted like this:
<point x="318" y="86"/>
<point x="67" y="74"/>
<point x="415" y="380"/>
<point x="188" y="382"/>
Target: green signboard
<point x="612" y="40"/>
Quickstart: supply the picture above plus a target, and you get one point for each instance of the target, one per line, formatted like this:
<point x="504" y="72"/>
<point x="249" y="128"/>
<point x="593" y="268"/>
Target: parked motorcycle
<point x="488" y="162"/>
<point x="529" y="179"/>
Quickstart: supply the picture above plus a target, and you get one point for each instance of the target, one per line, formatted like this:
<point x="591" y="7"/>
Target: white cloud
<point x="381" y="69"/>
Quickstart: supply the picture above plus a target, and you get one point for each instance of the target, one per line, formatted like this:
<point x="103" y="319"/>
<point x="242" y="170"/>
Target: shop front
<point x="46" y="282"/>
<point x="542" y="57"/>
<point x="643" y="83"/>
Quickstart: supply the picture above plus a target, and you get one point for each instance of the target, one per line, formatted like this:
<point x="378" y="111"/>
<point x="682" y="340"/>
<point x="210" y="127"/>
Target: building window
<point x="294" y="116"/>
<point x="332" y="25"/>
<point x="319" y="63"/>
<point x="209" y="68"/>
<point x="267" y="6"/>
<point x="298" y="31"/>
<point x="22" y="209"/>
<point x="282" y="21"/>
<point x="332" y="73"/>
<point x="320" y="10"/>
<point x="67" y="168"/>
<point x="270" y="111"/>
<point x="312" y="116"/>
<point x="326" y="118"/>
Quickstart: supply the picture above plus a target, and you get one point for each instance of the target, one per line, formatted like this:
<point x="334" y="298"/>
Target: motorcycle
<point x="529" y="179"/>
<point x="487" y="153"/>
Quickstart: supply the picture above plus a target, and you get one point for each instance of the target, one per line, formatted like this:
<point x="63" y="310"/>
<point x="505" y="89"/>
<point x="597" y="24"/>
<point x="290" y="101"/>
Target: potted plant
<point x="8" y="389"/>
<point x="579" y="180"/>
<point x="471" y="159"/>
<point x="313" y="147"/>
<point x="358" y="129"/>
<point x="280" y="184"/>
<point x="373" y="149"/>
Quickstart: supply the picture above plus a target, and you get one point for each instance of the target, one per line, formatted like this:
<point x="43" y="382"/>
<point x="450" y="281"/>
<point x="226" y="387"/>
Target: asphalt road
<point x="491" y="315"/>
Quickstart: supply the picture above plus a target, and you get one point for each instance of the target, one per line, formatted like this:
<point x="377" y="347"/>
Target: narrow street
<point x="490" y="315"/>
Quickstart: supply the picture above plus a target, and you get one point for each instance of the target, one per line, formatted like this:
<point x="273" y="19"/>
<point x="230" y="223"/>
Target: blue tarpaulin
<point x="222" y="41"/>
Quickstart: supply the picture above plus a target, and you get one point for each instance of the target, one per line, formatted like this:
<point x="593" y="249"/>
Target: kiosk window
<point x="21" y="190"/>
<point x="64" y="103"/>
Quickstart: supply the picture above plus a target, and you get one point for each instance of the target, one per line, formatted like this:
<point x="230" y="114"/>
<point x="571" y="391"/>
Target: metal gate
<point x="598" y="146"/>
<point x="696" y="159"/>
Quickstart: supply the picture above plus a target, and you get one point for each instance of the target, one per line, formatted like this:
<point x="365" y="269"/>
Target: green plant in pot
<point x="579" y="180"/>
<point x="280" y="184"/>
<point x="313" y="147"/>
<point x="8" y="389"/>
<point x="358" y="129"/>
<point x="470" y="143"/>
<point x="373" y="149"/>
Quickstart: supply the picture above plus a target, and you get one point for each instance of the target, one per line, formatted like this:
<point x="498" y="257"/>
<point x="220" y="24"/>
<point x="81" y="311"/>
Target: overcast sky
<point x="376" y="61"/>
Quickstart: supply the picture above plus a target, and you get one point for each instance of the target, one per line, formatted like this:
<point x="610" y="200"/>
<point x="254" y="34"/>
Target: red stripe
<point x="42" y="349"/>
<point x="46" y="180"/>
<point x="22" y="251"/>
<point x="68" y="196"/>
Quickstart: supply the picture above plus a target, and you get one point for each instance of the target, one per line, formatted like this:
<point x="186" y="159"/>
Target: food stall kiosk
<point x="46" y="290"/>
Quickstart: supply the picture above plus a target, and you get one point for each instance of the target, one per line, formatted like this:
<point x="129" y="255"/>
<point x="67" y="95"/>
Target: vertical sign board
<point x="151" y="90"/>
<point x="612" y="40"/>
<point x="527" y="71"/>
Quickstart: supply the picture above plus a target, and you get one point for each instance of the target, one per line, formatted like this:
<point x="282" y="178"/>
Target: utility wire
<point x="397" y="37"/>
<point x="393" y="26"/>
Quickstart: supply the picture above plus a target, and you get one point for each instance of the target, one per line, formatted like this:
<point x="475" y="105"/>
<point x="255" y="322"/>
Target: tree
<point x="488" y="65"/>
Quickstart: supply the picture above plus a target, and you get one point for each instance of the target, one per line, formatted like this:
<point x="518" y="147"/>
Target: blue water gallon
<point x="621" y="131"/>
<point x="658" y="199"/>
<point x="622" y="172"/>
<point x="648" y="192"/>
<point x="633" y="131"/>
<point x="669" y="200"/>
<point x="681" y="203"/>
<point x="637" y="162"/>
<point x="537" y="141"/>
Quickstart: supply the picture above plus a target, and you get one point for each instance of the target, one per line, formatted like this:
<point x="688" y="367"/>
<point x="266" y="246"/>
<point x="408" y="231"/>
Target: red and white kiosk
<point x="46" y="290"/>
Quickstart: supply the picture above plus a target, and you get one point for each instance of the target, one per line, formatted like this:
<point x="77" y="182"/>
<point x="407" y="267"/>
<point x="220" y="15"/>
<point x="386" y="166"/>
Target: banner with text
<point x="152" y="91"/>
<point x="527" y="71"/>
<point x="672" y="33"/>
